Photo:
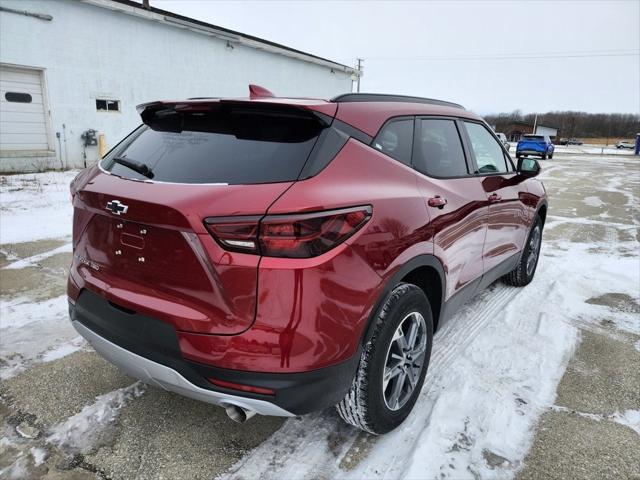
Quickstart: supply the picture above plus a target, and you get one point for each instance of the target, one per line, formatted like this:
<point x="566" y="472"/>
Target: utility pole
<point x="359" y="69"/>
<point x="535" y="124"/>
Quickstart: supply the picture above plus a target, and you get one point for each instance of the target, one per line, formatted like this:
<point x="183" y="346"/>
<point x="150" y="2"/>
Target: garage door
<point x="23" y="121"/>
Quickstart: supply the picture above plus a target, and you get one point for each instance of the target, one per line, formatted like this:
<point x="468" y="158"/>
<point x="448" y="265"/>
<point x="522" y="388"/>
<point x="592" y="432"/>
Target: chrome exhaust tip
<point x="239" y="414"/>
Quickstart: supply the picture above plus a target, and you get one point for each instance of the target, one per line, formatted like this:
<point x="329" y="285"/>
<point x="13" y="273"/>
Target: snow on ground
<point x="20" y="318"/>
<point x="35" y="206"/>
<point x="86" y="429"/>
<point x="34" y="259"/>
<point x="629" y="418"/>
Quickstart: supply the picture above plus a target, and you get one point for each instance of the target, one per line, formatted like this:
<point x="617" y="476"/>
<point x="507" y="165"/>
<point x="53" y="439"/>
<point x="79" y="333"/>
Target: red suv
<point x="280" y="256"/>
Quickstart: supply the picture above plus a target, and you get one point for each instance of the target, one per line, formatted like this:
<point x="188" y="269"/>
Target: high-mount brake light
<point x="303" y="235"/>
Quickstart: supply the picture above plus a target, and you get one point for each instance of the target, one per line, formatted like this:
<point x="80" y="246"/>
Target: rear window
<point x="220" y="144"/>
<point x="535" y="138"/>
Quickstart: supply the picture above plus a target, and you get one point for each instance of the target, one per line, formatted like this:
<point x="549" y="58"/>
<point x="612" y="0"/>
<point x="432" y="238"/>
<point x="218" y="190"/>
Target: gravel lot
<point x="535" y="383"/>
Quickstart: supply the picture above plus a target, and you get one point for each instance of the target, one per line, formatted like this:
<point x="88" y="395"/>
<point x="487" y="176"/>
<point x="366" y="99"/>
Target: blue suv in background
<point x="538" y="145"/>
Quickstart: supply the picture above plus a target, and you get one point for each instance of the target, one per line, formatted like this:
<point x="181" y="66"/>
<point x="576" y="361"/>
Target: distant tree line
<point x="575" y="124"/>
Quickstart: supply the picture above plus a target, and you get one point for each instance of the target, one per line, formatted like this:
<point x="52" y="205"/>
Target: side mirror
<point x="528" y="167"/>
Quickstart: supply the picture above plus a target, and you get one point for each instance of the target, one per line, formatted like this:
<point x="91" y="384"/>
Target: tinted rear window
<point x="534" y="138"/>
<point x="219" y="145"/>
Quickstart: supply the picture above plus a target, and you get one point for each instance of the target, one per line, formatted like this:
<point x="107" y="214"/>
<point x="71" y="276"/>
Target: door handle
<point x="494" y="198"/>
<point x="437" y="202"/>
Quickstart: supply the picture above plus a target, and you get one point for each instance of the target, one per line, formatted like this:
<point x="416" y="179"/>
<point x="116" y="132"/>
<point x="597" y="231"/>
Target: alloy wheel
<point x="405" y="361"/>
<point x="534" y="249"/>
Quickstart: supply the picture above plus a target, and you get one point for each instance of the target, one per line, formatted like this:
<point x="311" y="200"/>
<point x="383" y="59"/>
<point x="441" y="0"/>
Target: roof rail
<point x="383" y="97"/>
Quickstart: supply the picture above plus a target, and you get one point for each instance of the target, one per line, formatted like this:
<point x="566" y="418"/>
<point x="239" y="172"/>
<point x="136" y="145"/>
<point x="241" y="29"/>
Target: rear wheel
<point x="543" y="156"/>
<point x="526" y="268"/>
<point x="393" y="363"/>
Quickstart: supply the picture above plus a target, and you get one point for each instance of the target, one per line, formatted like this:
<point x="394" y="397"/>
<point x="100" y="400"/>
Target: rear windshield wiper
<point x="134" y="165"/>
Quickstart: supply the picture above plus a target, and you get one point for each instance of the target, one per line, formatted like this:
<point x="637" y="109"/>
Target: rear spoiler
<point x="152" y="112"/>
<point x="259" y="98"/>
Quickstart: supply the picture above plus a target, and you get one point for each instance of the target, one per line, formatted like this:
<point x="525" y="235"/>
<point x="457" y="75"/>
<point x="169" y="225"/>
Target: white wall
<point x="542" y="130"/>
<point x="88" y="52"/>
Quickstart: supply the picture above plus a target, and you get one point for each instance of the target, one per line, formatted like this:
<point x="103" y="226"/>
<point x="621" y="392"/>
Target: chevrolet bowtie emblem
<point x="114" y="206"/>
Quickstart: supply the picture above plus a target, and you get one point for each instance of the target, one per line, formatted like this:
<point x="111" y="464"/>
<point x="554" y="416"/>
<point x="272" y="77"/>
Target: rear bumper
<point x="530" y="152"/>
<point x="148" y="349"/>
<point x="168" y="379"/>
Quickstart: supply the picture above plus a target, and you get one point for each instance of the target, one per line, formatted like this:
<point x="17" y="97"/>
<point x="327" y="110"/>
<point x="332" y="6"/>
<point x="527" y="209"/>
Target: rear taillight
<point x="290" y="236"/>
<point x="238" y="234"/>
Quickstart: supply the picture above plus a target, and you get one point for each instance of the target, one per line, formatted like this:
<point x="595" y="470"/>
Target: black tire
<point x="551" y="156"/>
<point x="518" y="156"/>
<point x="523" y="274"/>
<point x="543" y="156"/>
<point x="365" y="405"/>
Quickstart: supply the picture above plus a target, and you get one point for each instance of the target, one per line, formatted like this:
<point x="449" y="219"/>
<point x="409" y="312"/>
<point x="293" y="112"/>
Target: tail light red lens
<point x="289" y="236"/>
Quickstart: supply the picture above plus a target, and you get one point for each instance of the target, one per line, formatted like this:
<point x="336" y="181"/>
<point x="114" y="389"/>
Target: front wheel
<point x="393" y="363"/>
<point x="526" y="268"/>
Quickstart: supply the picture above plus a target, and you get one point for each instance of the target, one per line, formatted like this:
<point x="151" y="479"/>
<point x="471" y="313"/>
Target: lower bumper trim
<point x="168" y="379"/>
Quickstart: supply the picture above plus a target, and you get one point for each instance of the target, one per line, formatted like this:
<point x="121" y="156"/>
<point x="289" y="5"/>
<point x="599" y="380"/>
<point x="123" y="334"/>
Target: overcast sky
<point x="489" y="56"/>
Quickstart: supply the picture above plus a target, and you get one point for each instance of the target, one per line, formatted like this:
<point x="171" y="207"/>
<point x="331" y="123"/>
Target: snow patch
<point x="36" y="206"/>
<point x="593" y="201"/>
<point x="20" y="318"/>
<point x="629" y="418"/>
<point x="39" y="455"/>
<point x="63" y="350"/>
<point x="82" y="432"/>
<point x="35" y="259"/>
<point x="21" y="311"/>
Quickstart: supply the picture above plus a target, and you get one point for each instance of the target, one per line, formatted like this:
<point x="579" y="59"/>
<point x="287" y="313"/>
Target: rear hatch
<point x="139" y="237"/>
<point x="532" y="143"/>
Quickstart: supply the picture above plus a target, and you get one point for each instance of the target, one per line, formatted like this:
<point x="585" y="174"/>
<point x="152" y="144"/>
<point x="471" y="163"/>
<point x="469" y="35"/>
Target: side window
<point x="439" y="150"/>
<point x="396" y="140"/>
<point x="488" y="152"/>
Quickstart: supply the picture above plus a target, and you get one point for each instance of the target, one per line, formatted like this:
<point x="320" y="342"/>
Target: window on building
<point x="396" y="140"/>
<point x="439" y="149"/>
<point x="107" y="105"/>
<point x="17" y="97"/>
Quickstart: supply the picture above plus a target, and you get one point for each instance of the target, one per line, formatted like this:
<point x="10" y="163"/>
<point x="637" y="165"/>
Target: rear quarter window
<point x="396" y="140"/>
<point x="222" y="145"/>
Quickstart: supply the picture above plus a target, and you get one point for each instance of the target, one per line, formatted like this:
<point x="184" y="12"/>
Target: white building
<point x="548" y="131"/>
<point x="70" y="66"/>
